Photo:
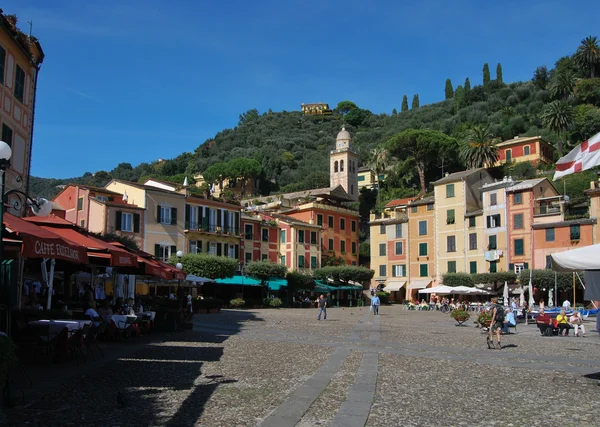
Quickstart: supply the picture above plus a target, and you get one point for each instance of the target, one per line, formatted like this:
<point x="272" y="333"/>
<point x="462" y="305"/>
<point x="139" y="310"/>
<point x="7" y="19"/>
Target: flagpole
<point x="574" y="296"/>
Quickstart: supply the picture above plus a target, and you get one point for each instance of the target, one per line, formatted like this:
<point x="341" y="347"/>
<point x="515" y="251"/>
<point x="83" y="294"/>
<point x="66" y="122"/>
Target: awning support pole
<point x="50" y="284"/>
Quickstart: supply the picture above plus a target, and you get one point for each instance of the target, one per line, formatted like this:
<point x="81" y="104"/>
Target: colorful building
<point x="594" y="195"/>
<point x="164" y="220"/>
<point x="421" y="242"/>
<point x="525" y="149"/>
<point x="459" y="222"/>
<point x="554" y="237"/>
<point x="260" y="239"/>
<point x="212" y="227"/>
<point x="521" y="213"/>
<point x="367" y="178"/>
<point x="495" y="217"/>
<point x="389" y="248"/>
<point x="21" y="57"/>
<point x="300" y="247"/>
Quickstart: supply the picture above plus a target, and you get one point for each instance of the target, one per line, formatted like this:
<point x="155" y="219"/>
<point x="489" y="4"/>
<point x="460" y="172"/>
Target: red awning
<point x="41" y="243"/>
<point x="177" y="274"/>
<point x="66" y="230"/>
<point x="147" y="261"/>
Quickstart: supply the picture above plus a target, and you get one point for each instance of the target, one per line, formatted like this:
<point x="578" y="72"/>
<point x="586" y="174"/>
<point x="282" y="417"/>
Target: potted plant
<point x="461" y="316"/>
<point x="237" y="302"/>
<point x="484" y="320"/>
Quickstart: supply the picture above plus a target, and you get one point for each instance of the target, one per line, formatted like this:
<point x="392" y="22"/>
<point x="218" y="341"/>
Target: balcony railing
<point x="546" y="210"/>
<point x="211" y="228"/>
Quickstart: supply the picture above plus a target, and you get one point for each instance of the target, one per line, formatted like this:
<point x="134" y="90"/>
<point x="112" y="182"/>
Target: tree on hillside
<point x="415" y="102"/>
<point x="244" y="170"/>
<point x="478" y="149"/>
<point x="249" y="116"/>
<point x="486" y="75"/>
<point x="394" y="112"/>
<point x="404" y="103"/>
<point x="467" y="85"/>
<point x="558" y="116"/>
<point x="449" y="91"/>
<point x="562" y="84"/>
<point x="499" y="73"/>
<point x="587" y="91"/>
<point x="459" y="98"/>
<point x="541" y="77"/>
<point x="344" y="107"/>
<point x="588" y="55"/>
<point x="423" y="147"/>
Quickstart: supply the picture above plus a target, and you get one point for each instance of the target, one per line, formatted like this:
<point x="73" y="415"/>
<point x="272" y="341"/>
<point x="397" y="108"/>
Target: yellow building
<point x="212" y="227"/>
<point x="525" y="149"/>
<point x="20" y="59"/>
<point x="238" y="188"/>
<point x="367" y="178"/>
<point x="594" y="194"/>
<point x="164" y="218"/>
<point x="458" y="222"/>
<point x="317" y="108"/>
<point x="421" y="241"/>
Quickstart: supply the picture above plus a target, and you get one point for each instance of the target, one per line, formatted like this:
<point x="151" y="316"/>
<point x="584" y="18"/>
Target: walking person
<point x="496" y="325"/>
<point x="375" y="303"/>
<point x="322" y="304"/>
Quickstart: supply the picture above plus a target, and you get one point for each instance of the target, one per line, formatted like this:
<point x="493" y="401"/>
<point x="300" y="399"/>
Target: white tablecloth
<point x="151" y="314"/>
<point x="56" y="326"/>
<point x="121" y="320"/>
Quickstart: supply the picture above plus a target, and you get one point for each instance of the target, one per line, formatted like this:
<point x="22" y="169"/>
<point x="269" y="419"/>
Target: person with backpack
<point x="496" y="325"/>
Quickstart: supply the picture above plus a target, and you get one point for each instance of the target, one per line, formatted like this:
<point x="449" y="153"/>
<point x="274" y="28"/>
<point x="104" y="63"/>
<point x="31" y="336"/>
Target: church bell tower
<point x="343" y="165"/>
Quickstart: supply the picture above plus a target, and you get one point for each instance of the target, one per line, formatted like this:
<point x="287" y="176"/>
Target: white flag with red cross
<point x="583" y="157"/>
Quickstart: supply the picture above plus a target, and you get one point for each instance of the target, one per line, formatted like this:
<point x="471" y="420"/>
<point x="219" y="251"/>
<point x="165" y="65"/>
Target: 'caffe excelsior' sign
<point x="35" y="247"/>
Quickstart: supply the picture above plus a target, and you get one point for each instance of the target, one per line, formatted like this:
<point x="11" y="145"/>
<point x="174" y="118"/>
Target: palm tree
<point x="479" y="148"/>
<point x="588" y="54"/>
<point x="563" y="84"/>
<point x="379" y="162"/>
<point x="558" y="116"/>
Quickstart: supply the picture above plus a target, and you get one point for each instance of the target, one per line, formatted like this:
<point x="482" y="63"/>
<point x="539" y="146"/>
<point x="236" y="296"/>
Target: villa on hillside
<point x="317" y="108"/>
<point x="531" y="149"/>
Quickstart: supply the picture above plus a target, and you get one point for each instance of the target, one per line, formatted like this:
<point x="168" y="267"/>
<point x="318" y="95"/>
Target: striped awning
<point x="394" y="285"/>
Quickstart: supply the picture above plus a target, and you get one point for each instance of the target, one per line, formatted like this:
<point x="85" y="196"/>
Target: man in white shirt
<point x="566" y="304"/>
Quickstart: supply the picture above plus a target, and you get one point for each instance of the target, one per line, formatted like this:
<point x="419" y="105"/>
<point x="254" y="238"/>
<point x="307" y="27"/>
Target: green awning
<point x="322" y="287"/>
<point x="239" y="281"/>
<point x="349" y="288"/>
<point x="276" y="284"/>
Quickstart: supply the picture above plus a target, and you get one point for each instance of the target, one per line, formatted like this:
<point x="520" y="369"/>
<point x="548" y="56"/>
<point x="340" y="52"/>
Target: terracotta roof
<point x="522" y="140"/>
<point x="146" y="187"/>
<point x="424" y="201"/>
<point x="292" y="220"/>
<point x="365" y="169"/>
<point x="399" y="202"/>
<point x="210" y="202"/>
<point x="526" y="184"/>
<point x="118" y="205"/>
<point x="96" y="189"/>
<point x="582" y="221"/>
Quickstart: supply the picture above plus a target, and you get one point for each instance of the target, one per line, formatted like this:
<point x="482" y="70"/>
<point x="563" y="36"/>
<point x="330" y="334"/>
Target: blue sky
<point x="137" y="80"/>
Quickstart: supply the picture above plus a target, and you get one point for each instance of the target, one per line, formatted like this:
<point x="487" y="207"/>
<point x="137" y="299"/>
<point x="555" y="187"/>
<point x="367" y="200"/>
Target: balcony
<point x="211" y="228"/>
<point x="389" y="215"/>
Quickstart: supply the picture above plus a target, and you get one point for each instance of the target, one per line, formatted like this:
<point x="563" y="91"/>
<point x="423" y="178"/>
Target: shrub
<point x="484" y="317"/>
<point x="384" y="297"/>
<point x="275" y="302"/>
<point x="237" y="302"/>
<point x="457" y="279"/>
<point x="460" y="315"/>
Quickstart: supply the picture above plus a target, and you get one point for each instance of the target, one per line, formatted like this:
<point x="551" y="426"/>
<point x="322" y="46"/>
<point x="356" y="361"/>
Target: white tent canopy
<point x="584" y="258"/>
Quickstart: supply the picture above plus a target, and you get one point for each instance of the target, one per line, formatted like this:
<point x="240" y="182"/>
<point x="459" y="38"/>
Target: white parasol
<point x="505" y="293"/>
<point x="521" y="297"/>
<point x="550" y="299"/>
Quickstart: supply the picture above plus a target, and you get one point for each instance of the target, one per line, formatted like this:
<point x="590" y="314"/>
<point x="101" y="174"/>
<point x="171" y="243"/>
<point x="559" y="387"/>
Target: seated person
<point x="577" y="321"/>
<point x="544" y="321"/>
<point x="118" y="307"/>
<point x="139" y="308"/>
<point x="509" y="320"/>
<point x="562" y="323"/>
<point x="94" y="316"/>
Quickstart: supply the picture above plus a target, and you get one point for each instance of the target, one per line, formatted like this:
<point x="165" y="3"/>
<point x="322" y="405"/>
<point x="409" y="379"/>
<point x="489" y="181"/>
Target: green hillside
<point x="561" y="104"/>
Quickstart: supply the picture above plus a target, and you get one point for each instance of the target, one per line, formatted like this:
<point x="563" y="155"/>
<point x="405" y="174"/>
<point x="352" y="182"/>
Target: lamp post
<point x="179" y="266"/>
<point x="40" y="207"/>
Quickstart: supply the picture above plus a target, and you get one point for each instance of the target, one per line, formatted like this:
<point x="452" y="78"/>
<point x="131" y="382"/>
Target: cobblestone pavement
<point x="282" y="367"/>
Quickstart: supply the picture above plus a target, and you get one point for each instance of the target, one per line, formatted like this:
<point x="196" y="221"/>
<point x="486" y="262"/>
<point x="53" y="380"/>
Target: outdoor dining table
<point x="150" y="315"/>
<point x="121" y="320"/>
<point x="56" y="326"/>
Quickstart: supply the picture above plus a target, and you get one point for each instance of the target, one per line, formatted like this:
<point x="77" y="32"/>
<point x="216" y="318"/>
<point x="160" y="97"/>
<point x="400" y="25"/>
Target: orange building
<point x="340" y="228"/>
<point x="528" y="149"/>
<point x="102" y="211"/>
<point x="260" y="239"/>
<point x="554" y="237"/>
<point x="299" y="248"/>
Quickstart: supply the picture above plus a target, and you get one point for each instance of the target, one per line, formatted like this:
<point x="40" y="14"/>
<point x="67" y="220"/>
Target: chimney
<point x="447" y="173"/>
<point x="185" y="183"/>
<point x="125" y="196"/>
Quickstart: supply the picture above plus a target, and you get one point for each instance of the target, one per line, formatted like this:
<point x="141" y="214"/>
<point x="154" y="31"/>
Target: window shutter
<point x="219" y="249"/>
<point x="488" y="220"/>
<point x="187" y="216"/>
<point x="173" y="216"/>
<point x="511" y="267"/>
<point x="158" y="213"/>
<point x="199" y="246"/>
<point x="526" y="266"/>
<point x="118" y="220"/>
<point x="236" y="226"/>
<point x="226" y="249"/>
<point x="157" y="251"/>
<point x="219" y="223"/>
<point x="226" y="222"/>
<point x="173" y="250"/>
<point x="205" y="220"/>
<point x="136" y="223"/>
<point x="237" y="252"/>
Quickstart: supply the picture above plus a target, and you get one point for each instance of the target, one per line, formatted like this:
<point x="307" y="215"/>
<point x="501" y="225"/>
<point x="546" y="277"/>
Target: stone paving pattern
<point x="279" y="367"/>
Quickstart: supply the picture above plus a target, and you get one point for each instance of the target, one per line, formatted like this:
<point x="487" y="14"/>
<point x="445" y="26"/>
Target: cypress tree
<point x="459" y="98"/>
<point x="415" y="103"/>
<point x="467" y="85"/>
<point x="394" y="112"/>
<point x="404" y="104"/>
<point x="499" y="73"/>
<point x="449" y="90"/>
<point x="486" y="75"/>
